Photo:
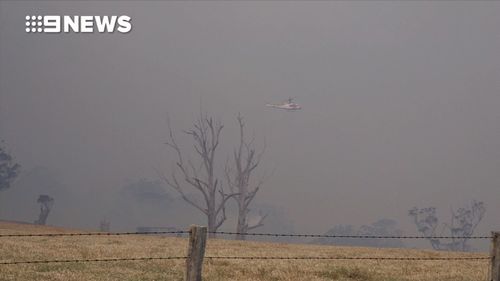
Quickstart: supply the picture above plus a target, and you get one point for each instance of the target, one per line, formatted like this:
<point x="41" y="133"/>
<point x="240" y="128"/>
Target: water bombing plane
<point x="287" y="105"/>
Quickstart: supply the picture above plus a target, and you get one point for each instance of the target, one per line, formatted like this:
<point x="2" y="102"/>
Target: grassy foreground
<point x="99" y="247"/>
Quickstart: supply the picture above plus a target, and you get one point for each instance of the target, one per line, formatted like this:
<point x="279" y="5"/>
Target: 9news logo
<point x="77" y="24"/>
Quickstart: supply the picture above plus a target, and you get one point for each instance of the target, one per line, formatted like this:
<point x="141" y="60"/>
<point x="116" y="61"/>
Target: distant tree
<point x="463" y="223"/>
<point x="201" y="176"/>
<point x="46" y="203"/>
<point x="245" y="160"/>
<point x="382" y="227"/>
<point x="9" y="170"/>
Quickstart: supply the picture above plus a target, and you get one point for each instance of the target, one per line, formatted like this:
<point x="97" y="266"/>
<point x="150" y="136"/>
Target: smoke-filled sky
<point x="400" y="100"/>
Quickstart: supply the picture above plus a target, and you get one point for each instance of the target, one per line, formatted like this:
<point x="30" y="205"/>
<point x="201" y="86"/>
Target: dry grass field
<point x="99" y="247"/>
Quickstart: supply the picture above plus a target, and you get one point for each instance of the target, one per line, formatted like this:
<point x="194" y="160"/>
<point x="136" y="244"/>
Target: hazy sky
<point x="400" y="99"/>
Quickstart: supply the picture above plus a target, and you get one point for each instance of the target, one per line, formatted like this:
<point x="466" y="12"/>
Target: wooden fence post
<point x="495" y="257"/>
<point x="196" y="252"/>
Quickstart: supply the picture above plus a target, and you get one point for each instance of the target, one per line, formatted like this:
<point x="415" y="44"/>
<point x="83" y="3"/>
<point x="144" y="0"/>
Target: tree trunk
<point x="211" y="226"/>
<point x="211" y="216"/>
<point x="242" y="224"/>
<point x="42" y="217"/>
<point x="242" y="215"/>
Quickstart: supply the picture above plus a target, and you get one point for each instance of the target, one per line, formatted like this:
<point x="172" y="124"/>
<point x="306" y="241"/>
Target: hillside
<point x="101" y="247"/>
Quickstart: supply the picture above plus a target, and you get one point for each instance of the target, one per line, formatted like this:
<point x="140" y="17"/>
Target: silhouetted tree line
<point x="463" y="224"/>
<point x="382" y="227"/>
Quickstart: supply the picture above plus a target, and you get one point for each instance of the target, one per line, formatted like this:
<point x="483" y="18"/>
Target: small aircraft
<point x="287" y="105"/>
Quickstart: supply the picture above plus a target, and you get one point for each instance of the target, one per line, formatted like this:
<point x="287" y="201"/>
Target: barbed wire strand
<point x="350" y="236"/>
<point x="94" y="234"/>
<point x="238" y="233"/>
<point x="89" y="260"/>
<point x="246" y="258"/>
<point x="351" y="258"/>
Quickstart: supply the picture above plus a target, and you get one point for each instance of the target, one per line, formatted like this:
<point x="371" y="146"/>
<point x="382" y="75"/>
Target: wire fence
<point x="90" y="260"/>
<point x="248" y="258"/>
<point x="180" y="232"/>
<point x="348" y="236"/>
<point x="476" y="258"/>
<point x="93" y="234"/>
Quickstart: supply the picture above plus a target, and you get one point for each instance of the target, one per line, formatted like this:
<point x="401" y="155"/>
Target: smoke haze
<point x="400" y="107"/>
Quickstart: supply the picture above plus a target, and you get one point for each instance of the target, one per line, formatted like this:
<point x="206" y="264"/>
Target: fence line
<point x="198" y="234"/>
<point x="245" y="258"/>
<point x="90" y="260"/>
<point x="350" y="258"/>
<point x="349" y="236"/>
<point x="94" y="234"/>
<point x="239" y="233"/>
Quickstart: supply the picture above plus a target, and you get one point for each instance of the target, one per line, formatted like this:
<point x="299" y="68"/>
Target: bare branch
<point x="259" y="223"/>
<point x="250" y="196"/>
<point x="223" y="202"/>
<point x="176" y="186"/>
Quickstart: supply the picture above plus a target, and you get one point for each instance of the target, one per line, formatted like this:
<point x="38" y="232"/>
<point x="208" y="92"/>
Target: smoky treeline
<point x="397" y="131"/>
<point x="141" y="202"/>
<point x="195" y="189"/>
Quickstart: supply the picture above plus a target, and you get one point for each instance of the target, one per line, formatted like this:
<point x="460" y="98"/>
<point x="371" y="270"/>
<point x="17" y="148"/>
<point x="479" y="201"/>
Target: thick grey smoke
<point x="400" y="105"/>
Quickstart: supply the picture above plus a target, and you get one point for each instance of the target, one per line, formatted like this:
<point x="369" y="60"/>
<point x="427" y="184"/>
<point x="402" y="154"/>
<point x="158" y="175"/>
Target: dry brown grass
<point x="82" y="247"/>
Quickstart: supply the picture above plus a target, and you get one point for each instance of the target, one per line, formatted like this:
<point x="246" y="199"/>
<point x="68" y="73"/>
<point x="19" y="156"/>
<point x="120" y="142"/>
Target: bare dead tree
<point x="246" y="160"/>
<point x="464" y="222"/>
<point x="200" y="177"/>
<point x="46" y="203"/>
